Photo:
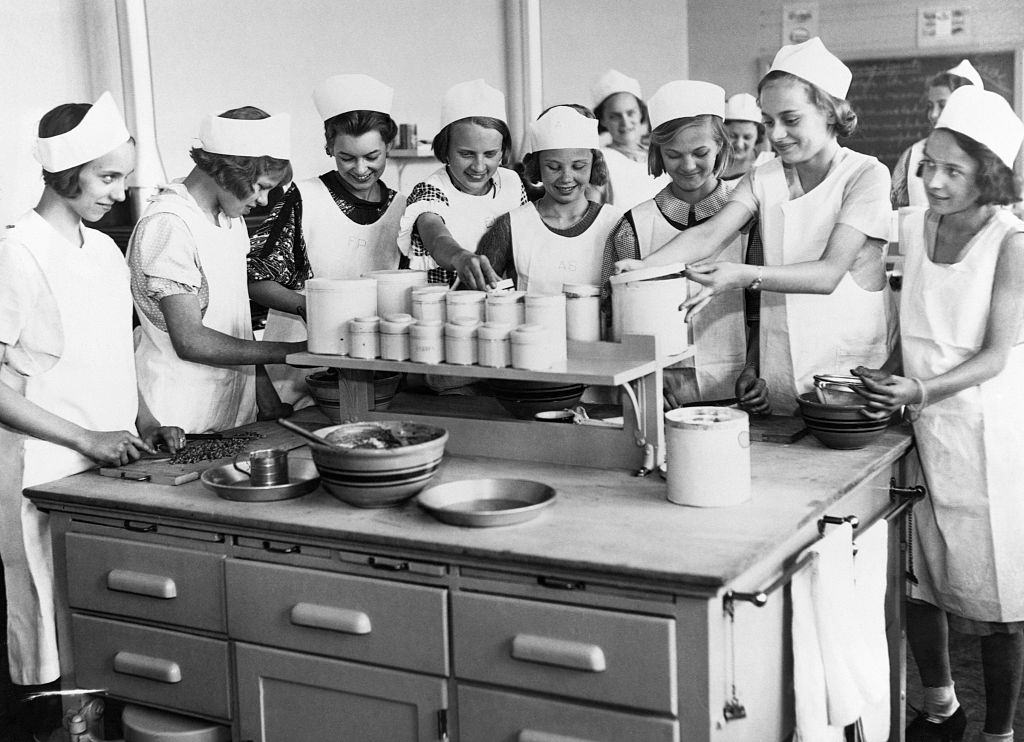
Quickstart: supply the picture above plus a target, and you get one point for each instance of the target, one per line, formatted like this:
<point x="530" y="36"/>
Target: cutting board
<point x="776" y="429"/>
<point x="162" y="471"/>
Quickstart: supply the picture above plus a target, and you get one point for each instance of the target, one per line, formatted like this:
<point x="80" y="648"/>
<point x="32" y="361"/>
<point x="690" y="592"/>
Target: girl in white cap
<point x="746" y="135"/>
<point x="68" y="393"/>
<point x="448" y="213"/>
<point x="962" y="337"/>
<point x="824" y="217"/>
<point x="560" y="238"/>
<point x="341" y="224"/>
<point x="620" y="110"/>
<point x="196" y="354"/>
<point x="691" y="145"/>
<point x="907" y="186"/>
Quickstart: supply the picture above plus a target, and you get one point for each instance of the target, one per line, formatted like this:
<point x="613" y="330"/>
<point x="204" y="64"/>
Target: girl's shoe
<point x="951" y="730"/>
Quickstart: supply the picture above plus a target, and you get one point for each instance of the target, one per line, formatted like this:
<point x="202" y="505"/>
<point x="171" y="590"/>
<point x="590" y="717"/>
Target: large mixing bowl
<point x="323" y="387"/>
<point x="378" y="464"/>
<point x="839" y="426"/>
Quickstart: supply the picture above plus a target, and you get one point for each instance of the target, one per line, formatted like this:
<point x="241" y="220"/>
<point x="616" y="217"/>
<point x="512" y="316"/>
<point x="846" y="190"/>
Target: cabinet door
<point x="290" y="697"/>
<point x="509" y="717"/>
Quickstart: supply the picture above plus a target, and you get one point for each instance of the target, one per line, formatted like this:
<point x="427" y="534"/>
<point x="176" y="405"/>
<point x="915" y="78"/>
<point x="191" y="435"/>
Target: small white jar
<point x="548" y="310"/>
<point x="582" y="312"/>
<point x="394" y="337"/>
<point x="426" y="341"/>
<point x="507" y="308"/>
<point x="428" y="302"/>
<point x="530" y="348"/>
<point x="363" y="339"/>
<point x="492" y="345"/>
<point x="460" y="342"/>
<point x="465" y="305"/>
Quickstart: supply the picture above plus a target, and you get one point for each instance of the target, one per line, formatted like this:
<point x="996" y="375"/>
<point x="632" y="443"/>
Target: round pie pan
<point x="481" y="503"/>
<point x="232" y="484"/>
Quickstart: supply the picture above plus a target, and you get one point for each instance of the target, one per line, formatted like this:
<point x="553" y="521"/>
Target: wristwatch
<point x="755" y="285"/>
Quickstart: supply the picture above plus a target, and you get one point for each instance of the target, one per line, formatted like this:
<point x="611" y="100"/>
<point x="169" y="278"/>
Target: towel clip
<point x="836" y="520"/>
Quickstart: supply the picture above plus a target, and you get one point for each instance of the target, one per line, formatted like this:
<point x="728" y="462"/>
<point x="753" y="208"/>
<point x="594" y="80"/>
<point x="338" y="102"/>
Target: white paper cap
<point x="966" y="70"/>
<point x="811" y="61"/>
<point x="269" y="137"/>
<point x="742" y="107"/>
<point x="101" y="130"/>
<point x="612" y="82"/>
<point x="563" y="128"/>
<point x="472" y="98"/>
<point x="986" y="118"/>
<point x="684" y="99"/>
<point x="343" y="93"/>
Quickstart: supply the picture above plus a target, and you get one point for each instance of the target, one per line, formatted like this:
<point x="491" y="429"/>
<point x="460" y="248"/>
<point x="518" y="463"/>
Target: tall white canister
<point x="707" y="451"/>
<point x="330" y="304"/>
<point x="394" y="289"/>
<point x="646" y="302"/>
<point x="548" y="311"/>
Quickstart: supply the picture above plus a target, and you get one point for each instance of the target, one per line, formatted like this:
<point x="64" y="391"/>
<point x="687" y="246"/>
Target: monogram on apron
<point x="196" y="396"/>
<point x="336" y="247"/>
<point x="91" y="384"/>
<point x="807" y="334"/>
<point x="969" y="549"/>
<point x="718" y="331"/>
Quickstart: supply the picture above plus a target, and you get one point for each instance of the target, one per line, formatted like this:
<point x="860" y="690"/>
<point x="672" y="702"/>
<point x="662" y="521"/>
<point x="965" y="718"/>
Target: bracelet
<point x="923" y="391"/>
<point x="755" y="285"/>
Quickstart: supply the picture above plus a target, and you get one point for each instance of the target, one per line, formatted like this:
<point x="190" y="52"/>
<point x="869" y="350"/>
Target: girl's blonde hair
<point x="665" y="133"/>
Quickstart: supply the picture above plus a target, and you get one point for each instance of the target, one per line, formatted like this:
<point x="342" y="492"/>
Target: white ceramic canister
<point x="582" y="312"/>
<point x="363" y="337"/>
<point x="646" y="302"/>
<point x="460" y="342"/>
<point x="426" y="341"/>
<point x="548" y="311"/>
<point x="492" y="344"/>
<point x="394" y="290"/>
<point x="330" y="305"/>
<point x="506" y="308"/>
<point x="465" y="305"/>
<point x="530" y="348"/>
<point x="394" y="337"/>
<point x="428" y="302"/>
<point x="707" y="452"/>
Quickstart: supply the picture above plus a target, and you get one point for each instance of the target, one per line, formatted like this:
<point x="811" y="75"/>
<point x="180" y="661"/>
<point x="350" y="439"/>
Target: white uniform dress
<point x="629" y="182"/>
<point x="336" y="247"/>
<point x="196" y="396"/>
<point x="807" y="334"/>
<point x="968" y="547"/>
<point x="66" y="322"/>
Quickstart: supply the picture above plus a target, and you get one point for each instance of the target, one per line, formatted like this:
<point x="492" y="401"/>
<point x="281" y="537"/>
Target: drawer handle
<point x="139" y="583"/>
<point x="333" y="619"/>
<point x="154" y="668"/>
<point x="548" y="651"/>
<point x="530" y="735"/>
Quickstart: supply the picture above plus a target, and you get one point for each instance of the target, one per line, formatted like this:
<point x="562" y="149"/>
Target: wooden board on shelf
<point x="776" y="428"/>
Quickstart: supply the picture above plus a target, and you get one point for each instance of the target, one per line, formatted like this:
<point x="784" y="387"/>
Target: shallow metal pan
<point x="486" y="502"/>
<point x="232" y="484"/>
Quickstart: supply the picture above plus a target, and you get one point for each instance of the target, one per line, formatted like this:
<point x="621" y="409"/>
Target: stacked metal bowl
<point x="378" y="464"/>
<point x="840" y="425"/>
<point x="524" y="399"/>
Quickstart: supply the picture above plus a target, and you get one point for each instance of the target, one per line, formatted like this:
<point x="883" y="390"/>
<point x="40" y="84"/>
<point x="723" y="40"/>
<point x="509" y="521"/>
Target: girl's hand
<point x="752" y="392"/>
<point x="624" y="266"/>
<point x="475" y="271"/>
<point x="885" y="393"/>
<point x="168" y="438"/>
<point x="117" y="447"/>
<point x="719" y="276"/>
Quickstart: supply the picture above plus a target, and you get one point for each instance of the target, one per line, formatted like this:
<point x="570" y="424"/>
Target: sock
<point x="986" y="737"/>
<point x="940" y="703"/>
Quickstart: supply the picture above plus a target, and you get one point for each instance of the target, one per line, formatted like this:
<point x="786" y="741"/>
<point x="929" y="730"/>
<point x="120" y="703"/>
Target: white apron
<point x="807" y="334"/>
<point x="915" y="185"/>
<point x="553" y="259"/>
<point x="91" y="384"/>
<point x="718" y="331"/>
<point x="336" y="247"/>
<point x="196" y="396"/>
<point x="629" y="182"/>
<point x="968" y="546"/>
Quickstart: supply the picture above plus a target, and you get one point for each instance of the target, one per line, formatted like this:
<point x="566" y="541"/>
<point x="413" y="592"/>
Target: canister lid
<point x="340" y="284"/>
<point x="431" y="293"/>
<point x="578" y="290"/>
<point x="398" y="276"/>
<point x="466" y="297"/>
<point x="364" y="324"/>
<point x="493" y="331"/>
<point x="400" y="318"/>
<point x="427" y="327"/>
<point x="544" y="300"/>
<point x="705" y="417"/>
<point x="143" y="724"/>
<point x="506" y="297"/>
<point x="394" y="324"/>
<point x="528" y="333"/>
<point x="462" y="328"/>
<point x="646" y="274"/>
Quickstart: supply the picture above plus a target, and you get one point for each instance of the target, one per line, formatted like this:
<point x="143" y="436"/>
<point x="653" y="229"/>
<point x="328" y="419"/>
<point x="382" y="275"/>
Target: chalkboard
<point x="889" y="97"/>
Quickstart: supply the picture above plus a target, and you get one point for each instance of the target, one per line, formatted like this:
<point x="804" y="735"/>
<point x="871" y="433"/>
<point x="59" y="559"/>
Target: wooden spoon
<point x="312" y="437"/>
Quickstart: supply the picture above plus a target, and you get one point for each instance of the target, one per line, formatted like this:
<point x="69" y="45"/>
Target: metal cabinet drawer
<point x="154" y="666"/>
<point x="160" y="583"/>
<point x="598" y="655"/>
<point x="509" y="717"/>
<point x="382" y="622"/>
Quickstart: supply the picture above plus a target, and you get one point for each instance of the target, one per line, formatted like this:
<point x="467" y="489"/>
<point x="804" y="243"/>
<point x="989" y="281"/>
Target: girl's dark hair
<point x="599" y="112"/>
<point x="443" y="139"/>
<point x="995" y="181"/>
<point x="357" y="123"/>
<point x="845" y="117"/>
<point x="598" y="168"/>
<point x="57" y="121"/>
<point x="946" y="80"/>
<point x="238" y="174"/>
<point x="757" y="124"/>
<point x="664" y="134"/>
